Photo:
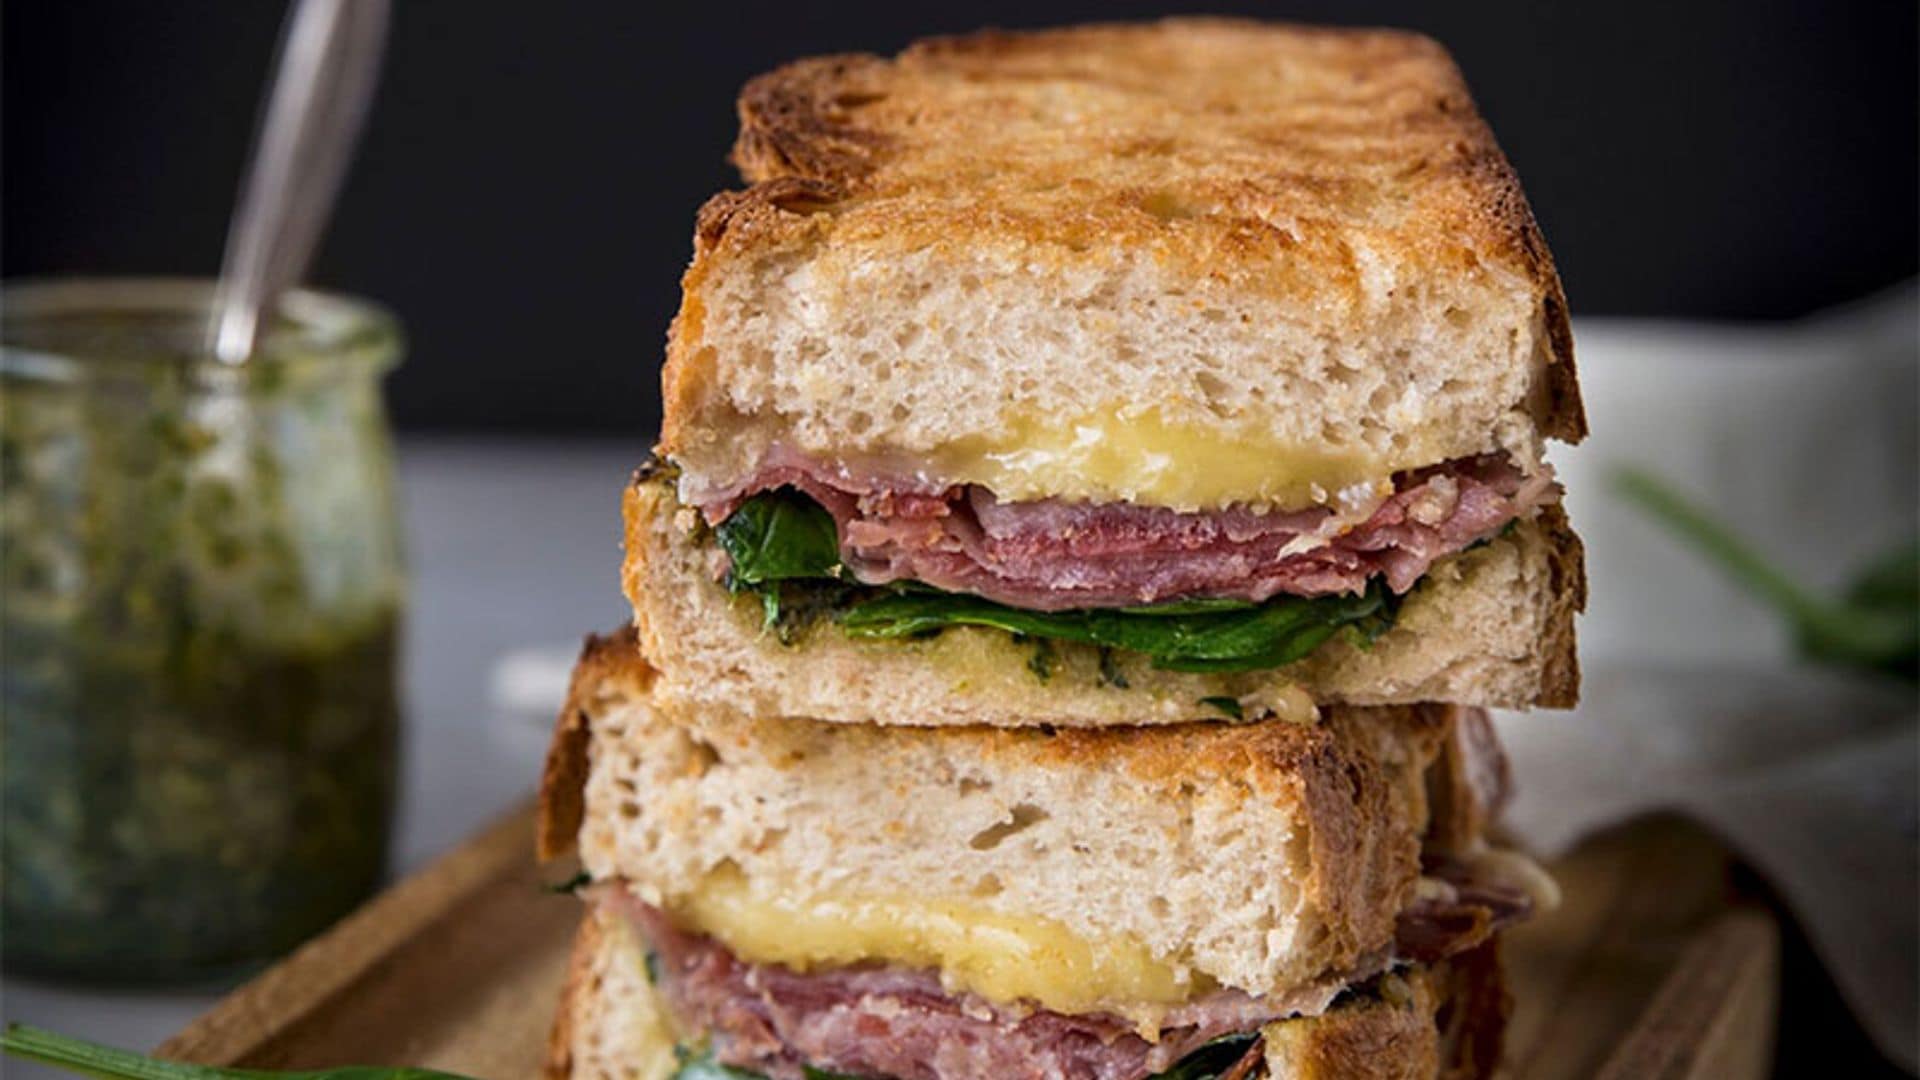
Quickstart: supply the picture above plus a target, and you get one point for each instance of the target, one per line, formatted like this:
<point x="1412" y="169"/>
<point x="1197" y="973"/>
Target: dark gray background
<point x="525" y="194"/>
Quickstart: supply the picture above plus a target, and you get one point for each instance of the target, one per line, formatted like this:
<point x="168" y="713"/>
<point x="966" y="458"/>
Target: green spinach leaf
<point x="579" y="880"/>
<point x="705" y="1068"/>
<point x="1254" y="638"/>
<point x="783" y="546"/>
<point x="93" y="1059"/>
<point x="778" y="536"/>
<point x="1210" y="1060"/>
<point x="1228" y="706"/>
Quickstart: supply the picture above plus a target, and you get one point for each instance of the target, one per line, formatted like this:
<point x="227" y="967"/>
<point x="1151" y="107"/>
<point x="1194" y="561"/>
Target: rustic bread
<point x="1491" y="627"/>
<point x="1265" y="857"/>
<point x="1300" y="242"/>
<point x="1443" y="1021"/>
<point x="610" y="1025"/>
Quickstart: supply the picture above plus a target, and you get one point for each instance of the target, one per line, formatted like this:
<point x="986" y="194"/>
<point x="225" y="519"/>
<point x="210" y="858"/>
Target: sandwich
<point x="1101" y="488"/>
<point x="1113" y="375"/>
<point x="795" y="899"/>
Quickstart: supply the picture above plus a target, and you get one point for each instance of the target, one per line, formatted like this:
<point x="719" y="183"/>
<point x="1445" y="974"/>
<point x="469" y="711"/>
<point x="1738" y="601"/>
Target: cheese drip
<point x="1003" y="958"/>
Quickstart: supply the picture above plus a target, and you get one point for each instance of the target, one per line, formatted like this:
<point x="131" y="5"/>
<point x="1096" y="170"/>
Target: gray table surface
<point x="511" y="543"/>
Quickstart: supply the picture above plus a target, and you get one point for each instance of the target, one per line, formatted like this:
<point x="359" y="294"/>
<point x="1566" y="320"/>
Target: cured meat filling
<point x="1052" y="555"/>
<point x="877" y="1020"/>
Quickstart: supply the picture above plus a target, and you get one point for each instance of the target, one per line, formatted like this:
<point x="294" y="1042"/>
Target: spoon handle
<point x="323" y="81"/>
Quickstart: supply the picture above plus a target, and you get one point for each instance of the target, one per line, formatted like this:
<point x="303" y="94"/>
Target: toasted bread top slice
<point x="1292" y="242"/>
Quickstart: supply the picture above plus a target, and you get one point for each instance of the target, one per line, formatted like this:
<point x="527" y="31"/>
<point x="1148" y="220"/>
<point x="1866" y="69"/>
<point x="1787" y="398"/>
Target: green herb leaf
<point x="93" y="1059"/>
<point x="1227" y="705"/>
<point x="1891" y="582"/>
<point x="770" y="607"/>
<point x="778" y="536"/>
<point x="1201" y="606"/>
<point x="1043" y="659"/>
<point x="1269" y="635"/>
<point x="775" y="537"/>
<point x="578" y="880"/>
<point x="705" y="1068"/>
<point x="1876" y="626"/>
<point x="1210" y="1060"/>
<point x="812" y="1073"/>
<point x="783" y="546"/>
<point x="701" y="1066"/>
<point x="1110" y="672"/>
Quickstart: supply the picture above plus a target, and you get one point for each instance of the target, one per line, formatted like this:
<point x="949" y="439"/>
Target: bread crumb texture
<point x="1284" y="236"/>
<point x="1260" y="856"/>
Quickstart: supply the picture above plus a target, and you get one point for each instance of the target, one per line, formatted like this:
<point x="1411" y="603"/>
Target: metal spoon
<point x="323" y="81"/>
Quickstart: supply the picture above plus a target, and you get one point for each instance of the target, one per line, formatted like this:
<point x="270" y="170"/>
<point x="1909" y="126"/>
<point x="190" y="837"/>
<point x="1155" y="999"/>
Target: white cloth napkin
<point x="1802" y="437"/>
<point x="1810" y="775"/>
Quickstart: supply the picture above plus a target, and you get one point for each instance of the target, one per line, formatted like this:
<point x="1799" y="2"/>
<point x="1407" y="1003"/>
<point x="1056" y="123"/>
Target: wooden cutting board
<point x="1652" y="968"/>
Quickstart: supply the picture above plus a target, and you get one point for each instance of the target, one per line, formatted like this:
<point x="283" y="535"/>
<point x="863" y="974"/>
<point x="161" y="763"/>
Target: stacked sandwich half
<point x="1101" y="486"/>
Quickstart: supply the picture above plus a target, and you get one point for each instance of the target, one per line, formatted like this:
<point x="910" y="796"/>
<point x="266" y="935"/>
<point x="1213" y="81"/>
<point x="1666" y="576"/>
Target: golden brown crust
<point x="1567" y="565"/>
<point x="1170" y="755"/>
<point x="799" y="120"/>
<point x="586" y="946"/>
<point x="1473" y="1015"/>
<point x="1363" y="826"/>
<point x="1238" y="151"/>
<point x="1445" y="1021"/>
<point x="605" y="662"/>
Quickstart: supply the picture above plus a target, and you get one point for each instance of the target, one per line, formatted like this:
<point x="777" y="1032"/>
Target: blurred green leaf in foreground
<point x="1873" y="626"/>
<point x="93" y="1059"/>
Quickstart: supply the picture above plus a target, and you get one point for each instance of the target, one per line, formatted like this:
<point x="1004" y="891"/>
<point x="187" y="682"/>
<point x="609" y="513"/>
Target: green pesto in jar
<point x="203" y="596"/>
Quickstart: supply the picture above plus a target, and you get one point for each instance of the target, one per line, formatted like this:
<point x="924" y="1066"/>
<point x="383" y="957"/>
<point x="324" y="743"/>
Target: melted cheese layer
<point x="1144" y="457"/>
<point x="1003" y="958"/>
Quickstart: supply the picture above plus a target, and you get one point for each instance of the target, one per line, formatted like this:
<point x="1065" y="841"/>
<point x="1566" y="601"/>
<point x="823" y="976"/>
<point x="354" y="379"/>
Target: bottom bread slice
<point x="1444" y="1019"/>
<point x="1491" y="627"/>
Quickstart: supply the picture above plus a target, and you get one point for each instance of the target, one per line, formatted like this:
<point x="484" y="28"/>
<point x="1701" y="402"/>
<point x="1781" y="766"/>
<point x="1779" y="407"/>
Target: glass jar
<point x="203" y="593"/>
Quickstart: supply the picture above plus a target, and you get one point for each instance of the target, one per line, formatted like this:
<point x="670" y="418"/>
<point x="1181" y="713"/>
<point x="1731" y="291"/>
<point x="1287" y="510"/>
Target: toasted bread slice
<point x="1272" y="858"/>
<point x="1442" y="1021"/>
<point x="1492" y="627"/>
<point x="1209" y="240"/>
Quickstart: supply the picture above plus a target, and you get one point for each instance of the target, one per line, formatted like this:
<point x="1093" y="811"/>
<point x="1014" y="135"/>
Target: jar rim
<point x="309" y="327"/>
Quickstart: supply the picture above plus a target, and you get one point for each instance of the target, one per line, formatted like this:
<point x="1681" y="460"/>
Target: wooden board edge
<point x="1714" y="1014"/>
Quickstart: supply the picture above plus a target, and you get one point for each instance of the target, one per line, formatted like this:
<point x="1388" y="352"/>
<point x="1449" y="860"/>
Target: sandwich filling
<point x="1052" y="555"/>
<point x="882" y="1019"/>
<point x="891" y="555"/>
